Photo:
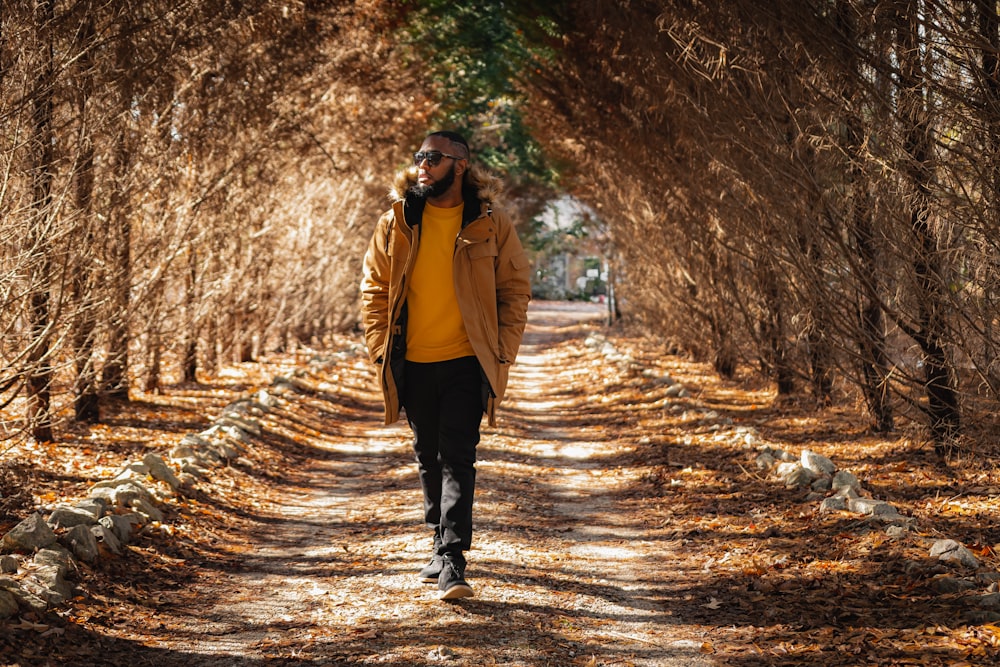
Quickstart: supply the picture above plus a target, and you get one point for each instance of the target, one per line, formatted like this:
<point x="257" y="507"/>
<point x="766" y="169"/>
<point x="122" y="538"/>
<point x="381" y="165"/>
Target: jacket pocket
<point x="484" y="249"/>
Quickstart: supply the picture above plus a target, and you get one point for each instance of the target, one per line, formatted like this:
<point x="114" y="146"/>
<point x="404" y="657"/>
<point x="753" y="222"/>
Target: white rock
<point x="104" y="535"/>
<point x="24" y="598"/>
<point x="833" y="504"/>
<point x="748" y="436"/>
<point x="122" y="525"/>
<point x="676" y="391"/>
<point x="239" y="423"/>
<point x="29" y="535"/>
<point x="794" y="475"/>
<point x="121" y="490"/>
<point x="847" y="492"/>
<point x="55" y="556"/>
<point x="183" y="451"/>
<point x="146" y="509"/>
<point x="48" y="583"/>
<point x="96" y="507"/>
<point x="195" y="440"/>
<point x="441" y="653"/>
<point x="159" y="470"/>
<point x="764" y="461"/>
<point x="845" y="480"/>
<point x="65" y="516"/>
<point x="266" y="400"/>
<point x="82" y="542"/>
<point x="818" y="464"/>
<point x="896" y="532"/>
<point x="282" y="386"/>
<point x="126" y="494"/>
<point x="951" y="551"/>
<point x="785" y="468"/>
<point x="878" y="508"/>
<point x="821" y="485"/>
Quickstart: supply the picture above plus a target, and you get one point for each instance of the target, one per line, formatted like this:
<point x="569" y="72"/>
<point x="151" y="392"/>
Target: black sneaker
<point x="451" y="580"/>
<point x="431" y="571"/>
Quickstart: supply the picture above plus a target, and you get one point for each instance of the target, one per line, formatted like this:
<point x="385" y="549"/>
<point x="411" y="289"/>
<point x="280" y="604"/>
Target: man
<point x="444" y="304"/>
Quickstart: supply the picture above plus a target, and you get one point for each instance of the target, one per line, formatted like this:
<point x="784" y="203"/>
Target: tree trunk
<point x="820" y="368"/>
<point x="116" y="369"/>
<point x="772" y="330"/>
<point x="242" y="337"/>
<point x="870" y="331"/>
<point x="154" y="357"/>
<point x="189" y="360"/>
<point x="86" y="397"/>
<point x="724" y="359"/>
<point x="989" y="29"/>
<point x="929" y="330"/>
<point x="39" y="378"/>
<point x="212" y="353"/>
<point x="871" y="321"/>
<point x="819" y="349"/>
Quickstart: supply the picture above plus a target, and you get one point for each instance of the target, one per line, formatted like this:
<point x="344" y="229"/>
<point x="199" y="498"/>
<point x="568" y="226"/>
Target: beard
<point x="437" y="188"/>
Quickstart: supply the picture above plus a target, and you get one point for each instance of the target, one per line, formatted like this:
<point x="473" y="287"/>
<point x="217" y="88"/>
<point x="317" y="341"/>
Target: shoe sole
<point x="428" y="580"/>
<point x="457" y="592"/>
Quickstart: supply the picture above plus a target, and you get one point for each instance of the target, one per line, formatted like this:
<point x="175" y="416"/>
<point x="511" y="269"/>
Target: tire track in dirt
<point x="563" y="574"/>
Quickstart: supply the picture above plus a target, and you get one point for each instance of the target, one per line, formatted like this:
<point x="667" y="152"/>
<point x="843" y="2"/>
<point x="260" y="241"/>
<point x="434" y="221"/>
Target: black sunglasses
<point x="433" y="157"/>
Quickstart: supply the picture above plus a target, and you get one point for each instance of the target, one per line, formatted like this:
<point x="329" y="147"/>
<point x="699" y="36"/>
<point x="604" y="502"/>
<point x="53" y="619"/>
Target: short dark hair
<point x="456" y="139"/>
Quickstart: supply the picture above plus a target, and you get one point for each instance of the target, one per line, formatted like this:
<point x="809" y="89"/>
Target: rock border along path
<point x="43" y="549"/>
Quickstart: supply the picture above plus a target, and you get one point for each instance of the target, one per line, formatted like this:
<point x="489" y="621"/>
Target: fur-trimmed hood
<point x="478" y="184"/>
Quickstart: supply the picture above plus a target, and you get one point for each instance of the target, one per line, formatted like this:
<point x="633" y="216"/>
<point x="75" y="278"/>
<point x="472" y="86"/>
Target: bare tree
<point x="119" y="215"/>
<point x="40" y="371"/>
<point x="84" y="286"/>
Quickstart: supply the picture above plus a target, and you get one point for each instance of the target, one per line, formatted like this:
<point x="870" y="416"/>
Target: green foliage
<point x="558" y="237"/>
<point x="475" y="53"/>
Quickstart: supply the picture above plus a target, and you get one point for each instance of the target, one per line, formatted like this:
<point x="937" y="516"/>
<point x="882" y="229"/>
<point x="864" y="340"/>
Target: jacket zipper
<point x="394" y="315"/>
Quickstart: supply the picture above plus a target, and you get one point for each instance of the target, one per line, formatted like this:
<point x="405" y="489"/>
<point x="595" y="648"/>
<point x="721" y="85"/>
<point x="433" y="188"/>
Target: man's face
<point x="435" y="180"/>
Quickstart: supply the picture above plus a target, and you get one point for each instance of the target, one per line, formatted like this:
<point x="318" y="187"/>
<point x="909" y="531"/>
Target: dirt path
<point x="617" y="526"/>
<point x="320" y="568"/>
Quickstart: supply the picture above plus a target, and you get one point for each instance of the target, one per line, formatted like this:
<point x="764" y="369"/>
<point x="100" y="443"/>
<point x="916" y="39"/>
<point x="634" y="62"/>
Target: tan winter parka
<point x="492" y="283"/>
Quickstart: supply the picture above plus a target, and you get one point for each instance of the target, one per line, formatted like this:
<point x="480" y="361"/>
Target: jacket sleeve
<point x="513" y="285"/>
<point x="375" y="289"/>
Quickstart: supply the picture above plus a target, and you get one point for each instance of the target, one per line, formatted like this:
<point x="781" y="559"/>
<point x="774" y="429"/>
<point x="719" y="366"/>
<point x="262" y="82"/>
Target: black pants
<point x="444" y="407"/>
